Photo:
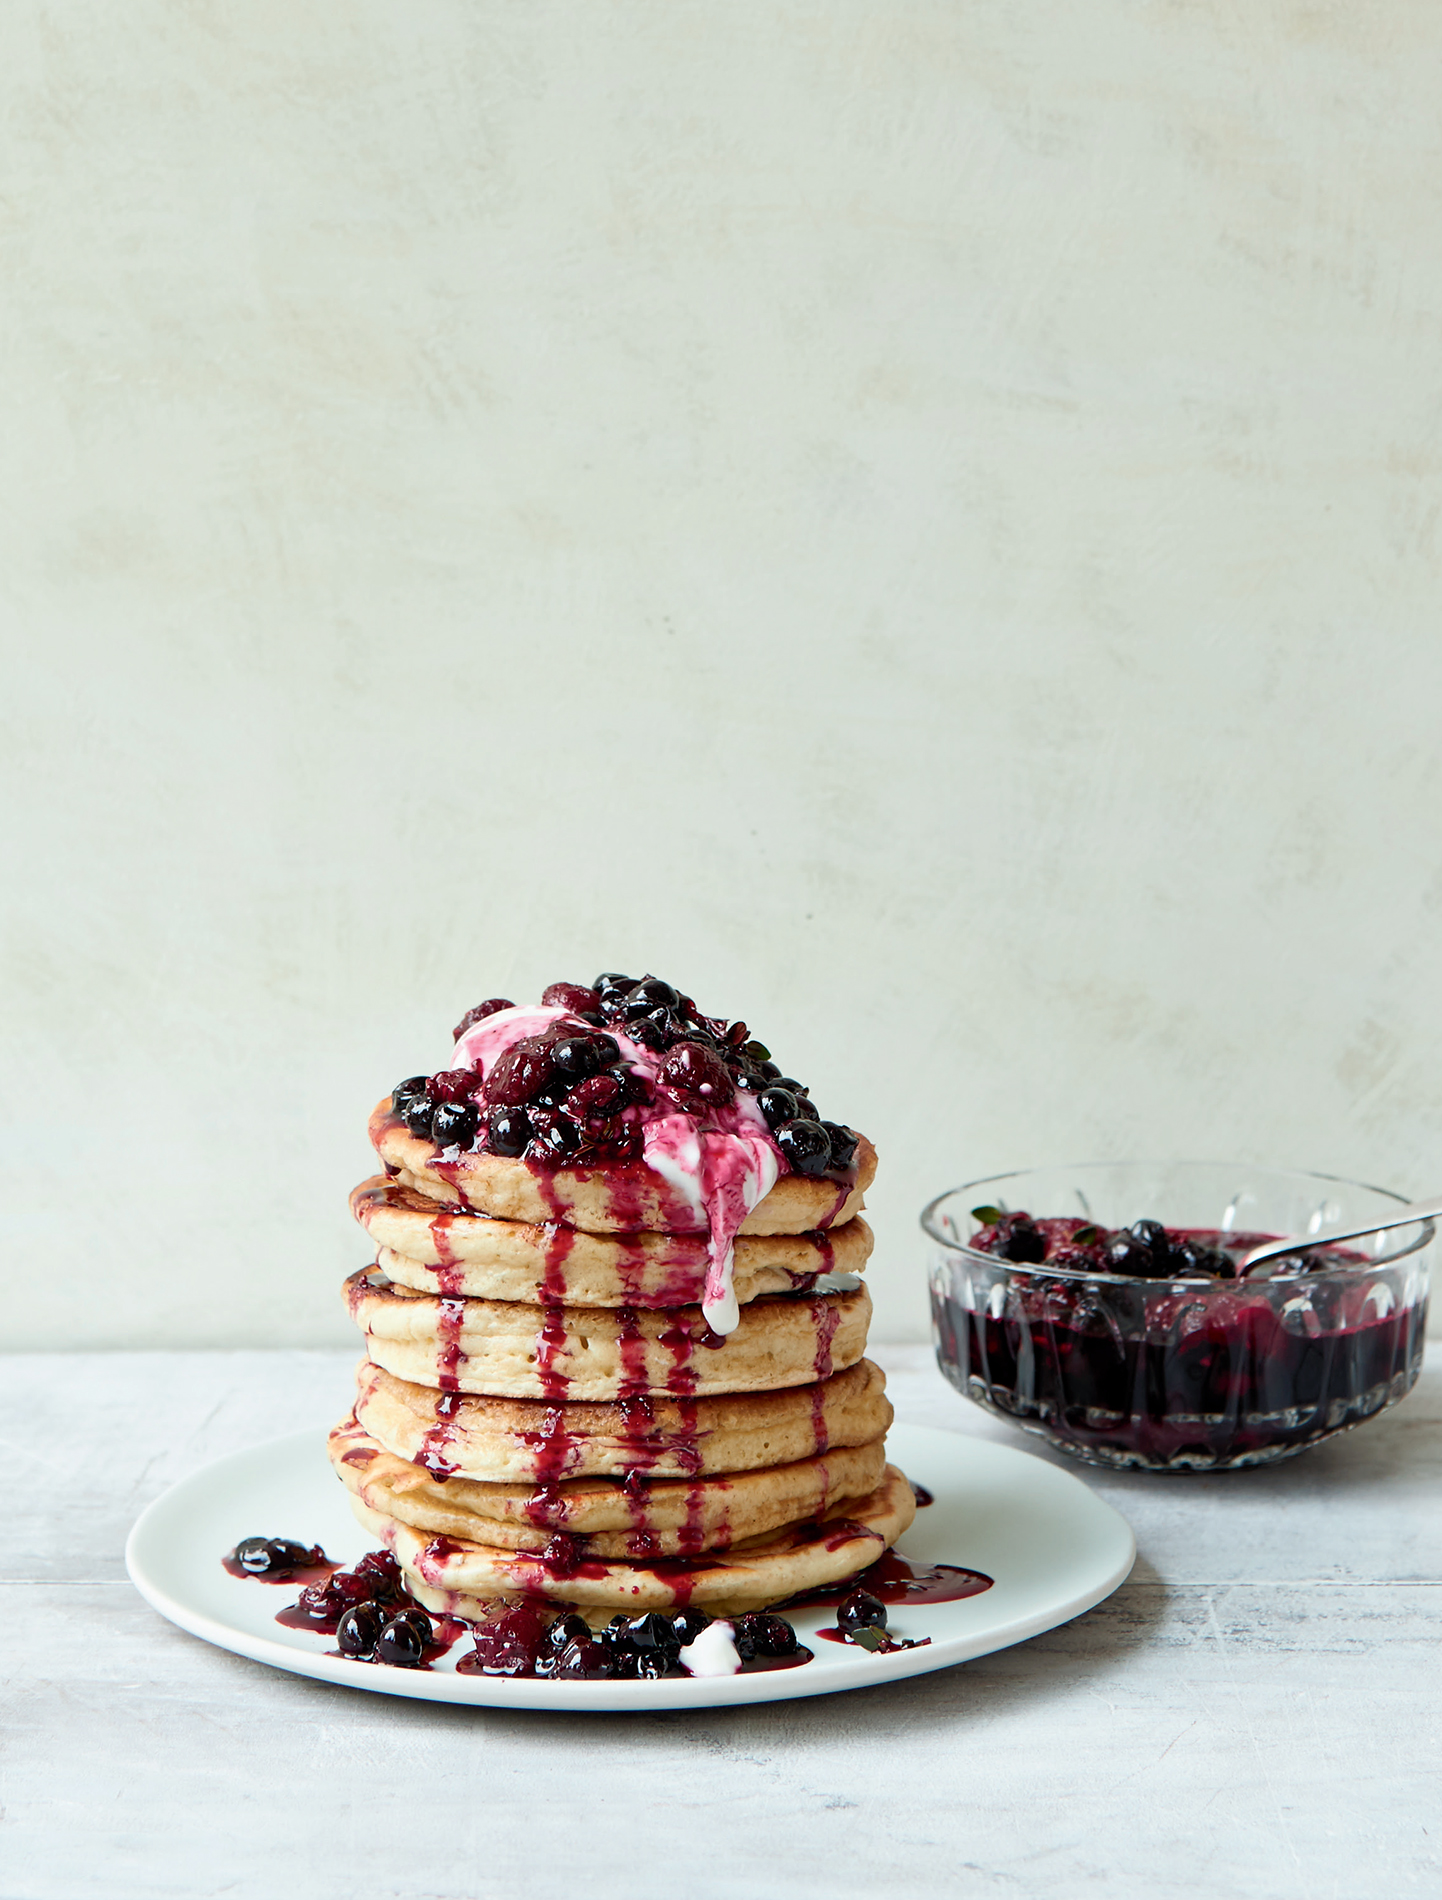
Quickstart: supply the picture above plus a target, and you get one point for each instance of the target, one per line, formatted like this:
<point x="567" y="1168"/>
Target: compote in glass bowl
<point x="1152" y="1352"/>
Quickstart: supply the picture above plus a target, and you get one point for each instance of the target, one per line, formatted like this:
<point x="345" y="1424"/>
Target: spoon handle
<point x="1402" y="1217"/>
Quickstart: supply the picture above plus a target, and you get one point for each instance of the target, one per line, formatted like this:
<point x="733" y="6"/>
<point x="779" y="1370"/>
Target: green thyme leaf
<point x="988" y="1216"/>
<point x="871" y="1639"/>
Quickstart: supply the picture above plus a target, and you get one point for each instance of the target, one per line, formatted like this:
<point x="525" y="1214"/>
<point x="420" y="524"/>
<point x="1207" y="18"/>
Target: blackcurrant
<point x="843" y="1146"/>
<point x="566" y="1629"/>
<point x="652" y="1634"/>
<point x="778" y="1105"/>
<point x="404" y="1093"/>
<point x="508" y="1130"/>
<point x="454" y="1124"/>
<point x="577" y="1057"/>
<point x="382" y="1570"/>
<point x="652" y="992"/>
<point x="584" y="1659"/>
<point x="356" y="1632"/>
<point x="806" y="1146"/>
<point x="557" y="1142"/>
<point x="253" y="1555"/>
<point x="767" y="1634"/>
<point x="861" y="1611"/>
<point x="1020" y="1239"/>
<point x="404" y="1638"/>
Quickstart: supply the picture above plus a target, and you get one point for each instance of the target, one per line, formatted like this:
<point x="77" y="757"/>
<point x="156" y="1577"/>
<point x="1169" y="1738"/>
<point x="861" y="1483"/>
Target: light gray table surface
<point x="1254" y="1713"/>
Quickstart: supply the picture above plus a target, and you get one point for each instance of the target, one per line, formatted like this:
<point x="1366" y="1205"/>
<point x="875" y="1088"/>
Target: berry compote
<point x="1144" y="1344"/>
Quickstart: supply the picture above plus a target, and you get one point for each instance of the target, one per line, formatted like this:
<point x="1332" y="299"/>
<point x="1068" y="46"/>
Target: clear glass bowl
<point x="1191" y="1374"/>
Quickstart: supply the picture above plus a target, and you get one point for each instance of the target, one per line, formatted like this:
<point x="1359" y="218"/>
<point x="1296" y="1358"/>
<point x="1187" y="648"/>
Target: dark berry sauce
<point x="330" y="1595"/>
<point x="897" y="1579"/>
<point x="1149" y="1372"/>
<point x="885" y="1645"/>
<point x="763" y="1665"/>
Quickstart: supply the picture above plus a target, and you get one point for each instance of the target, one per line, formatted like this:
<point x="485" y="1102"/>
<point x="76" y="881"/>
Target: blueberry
<point x="356" y="1633"/>
<point x="778" y="1105"/>
<point x="479" y="1014"/>
<point x="652" y="992"/>
<point x="806" y="1146"/>
<point x="843" y="1146"/>
<point x="454" y="1123"/>
<point x="861" y="1611"/>
<point x="417" y="1114"/>
<point x="404" y="1093"/>
<point x="404" y="1638"/>
<point x="650" y="1035"/>
<point x="508" y="1130"/>
<point x="688" y="1625"/>
<point x="584" y="1660"/>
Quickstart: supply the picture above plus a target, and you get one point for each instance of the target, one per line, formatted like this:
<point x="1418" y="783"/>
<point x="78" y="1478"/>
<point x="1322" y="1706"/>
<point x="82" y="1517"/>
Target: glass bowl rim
<point x="1041" y="1268"/>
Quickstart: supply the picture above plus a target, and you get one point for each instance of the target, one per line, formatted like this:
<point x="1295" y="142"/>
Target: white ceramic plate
<point x="1051" y="1545"/>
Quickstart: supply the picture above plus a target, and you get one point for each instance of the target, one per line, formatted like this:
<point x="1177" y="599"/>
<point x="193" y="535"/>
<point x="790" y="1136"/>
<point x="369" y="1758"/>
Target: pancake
<point x="515" y="1350"/>
<point x="459" y="1578"/>
<point x="437" y="1249"/>
<point x="630" y="1198"/>
<point x="661" y="1517"/>
<point x="533" y="1441"/>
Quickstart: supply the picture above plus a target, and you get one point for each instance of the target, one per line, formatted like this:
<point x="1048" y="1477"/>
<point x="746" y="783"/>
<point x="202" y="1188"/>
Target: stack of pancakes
<point x="544" y="1412"/>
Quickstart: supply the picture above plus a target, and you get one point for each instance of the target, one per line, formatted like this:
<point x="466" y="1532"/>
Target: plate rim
<point x="497" y="1692"/>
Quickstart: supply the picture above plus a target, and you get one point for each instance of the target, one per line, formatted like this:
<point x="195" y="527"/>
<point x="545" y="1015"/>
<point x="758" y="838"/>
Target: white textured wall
<point x="918" y="522"/>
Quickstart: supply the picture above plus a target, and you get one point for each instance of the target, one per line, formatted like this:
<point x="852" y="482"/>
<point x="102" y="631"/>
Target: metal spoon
<point x="1403" y="1217"/>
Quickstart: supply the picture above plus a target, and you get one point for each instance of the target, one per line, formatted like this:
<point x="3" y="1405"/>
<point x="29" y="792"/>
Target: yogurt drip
<point x="720" y="1162"/>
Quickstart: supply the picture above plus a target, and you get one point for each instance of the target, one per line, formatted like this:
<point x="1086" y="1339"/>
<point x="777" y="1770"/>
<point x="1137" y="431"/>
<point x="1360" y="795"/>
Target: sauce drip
<point x="897" y="1579"/>
<point x="827" y="1315"/>
<point x="299" y="1579"/>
